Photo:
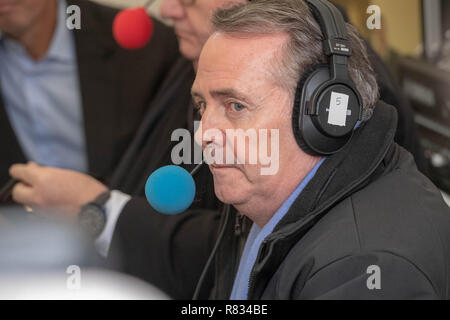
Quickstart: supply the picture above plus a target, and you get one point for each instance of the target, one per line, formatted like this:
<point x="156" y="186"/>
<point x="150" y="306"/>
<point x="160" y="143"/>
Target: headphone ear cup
<point x="299" y="109"/>
<point x="323" y="132"/>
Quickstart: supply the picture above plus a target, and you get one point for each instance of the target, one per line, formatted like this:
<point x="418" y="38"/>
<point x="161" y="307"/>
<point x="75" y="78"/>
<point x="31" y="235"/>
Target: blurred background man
<point x="72" y="99"/>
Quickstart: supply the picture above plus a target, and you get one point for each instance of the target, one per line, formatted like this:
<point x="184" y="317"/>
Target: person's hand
<point x="53" y="189"/>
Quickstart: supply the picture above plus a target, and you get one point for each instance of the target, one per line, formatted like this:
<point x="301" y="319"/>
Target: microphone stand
<point x="226" y="212"/>
<point x="195" y="170"/>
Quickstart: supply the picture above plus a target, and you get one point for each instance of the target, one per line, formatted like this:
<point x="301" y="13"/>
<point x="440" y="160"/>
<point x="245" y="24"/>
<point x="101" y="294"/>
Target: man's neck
<point x="36" y="39"/>
<point x="263" y="208"/>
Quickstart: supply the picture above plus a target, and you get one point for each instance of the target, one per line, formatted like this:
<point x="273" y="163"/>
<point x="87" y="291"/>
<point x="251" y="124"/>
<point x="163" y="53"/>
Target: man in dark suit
<point x="73" y="99"/>
<point x="169" y="109"/>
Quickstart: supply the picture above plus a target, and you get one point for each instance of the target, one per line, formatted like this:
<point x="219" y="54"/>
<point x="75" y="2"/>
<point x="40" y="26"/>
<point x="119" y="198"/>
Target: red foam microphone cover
<point x="132" y="28"/>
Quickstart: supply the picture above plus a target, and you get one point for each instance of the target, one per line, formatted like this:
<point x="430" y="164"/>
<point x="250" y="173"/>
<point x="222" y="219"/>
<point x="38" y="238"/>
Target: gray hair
<point x="294" y="18"/>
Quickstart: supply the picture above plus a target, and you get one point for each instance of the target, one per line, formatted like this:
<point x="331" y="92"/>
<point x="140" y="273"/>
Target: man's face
<point x="16" y="16"/>
<point x="235" y="89"/>
<point x="191" y="21"/>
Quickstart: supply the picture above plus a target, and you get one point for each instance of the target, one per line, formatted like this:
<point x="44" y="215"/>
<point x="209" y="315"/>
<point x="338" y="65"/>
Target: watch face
<point x="92" y="219"/>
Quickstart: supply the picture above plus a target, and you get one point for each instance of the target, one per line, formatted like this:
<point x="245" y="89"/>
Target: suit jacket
<point x="116" y="89"/>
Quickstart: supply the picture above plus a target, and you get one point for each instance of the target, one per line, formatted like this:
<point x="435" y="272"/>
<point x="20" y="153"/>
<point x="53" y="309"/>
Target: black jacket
<point x="116" y="86"/>
<point x="367" y="206"/>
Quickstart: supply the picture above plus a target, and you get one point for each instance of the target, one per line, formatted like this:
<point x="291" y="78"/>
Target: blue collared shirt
<point x="257" y="236"/>
<point x="43" y="101"/>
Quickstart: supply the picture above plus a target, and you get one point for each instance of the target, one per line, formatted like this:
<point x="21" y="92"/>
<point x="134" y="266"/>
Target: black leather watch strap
<point x="92" y="217"/>
<point x="102" y="198"/>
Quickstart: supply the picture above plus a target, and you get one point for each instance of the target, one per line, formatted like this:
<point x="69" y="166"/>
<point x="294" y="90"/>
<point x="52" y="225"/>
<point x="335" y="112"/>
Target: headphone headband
<point x="336" y="44"/>
<point x="333" y="27"/>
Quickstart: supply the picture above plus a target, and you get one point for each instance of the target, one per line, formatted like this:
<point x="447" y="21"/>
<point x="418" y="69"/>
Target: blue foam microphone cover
<point x="170" y="190"/>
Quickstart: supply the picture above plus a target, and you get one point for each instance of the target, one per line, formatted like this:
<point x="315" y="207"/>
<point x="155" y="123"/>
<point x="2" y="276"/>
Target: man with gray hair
<point x="347" y="215"/>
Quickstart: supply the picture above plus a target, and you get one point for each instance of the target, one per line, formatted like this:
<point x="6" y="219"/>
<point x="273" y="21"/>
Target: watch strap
<point x="102" y="198"/>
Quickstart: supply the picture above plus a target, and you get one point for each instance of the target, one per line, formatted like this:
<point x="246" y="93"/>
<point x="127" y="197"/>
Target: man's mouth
<point x="182" y="34"/>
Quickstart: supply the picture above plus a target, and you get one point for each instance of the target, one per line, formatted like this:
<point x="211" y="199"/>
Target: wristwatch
<point x="92" y="216"/>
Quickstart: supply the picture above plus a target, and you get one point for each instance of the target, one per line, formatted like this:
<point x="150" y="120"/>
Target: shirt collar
<point x="257" y="236"/>
<point x="61" y="47"/>
<point x="282" y="211"/>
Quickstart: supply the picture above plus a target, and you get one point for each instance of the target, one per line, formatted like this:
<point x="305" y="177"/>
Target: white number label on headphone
<point x="337" y="114"/>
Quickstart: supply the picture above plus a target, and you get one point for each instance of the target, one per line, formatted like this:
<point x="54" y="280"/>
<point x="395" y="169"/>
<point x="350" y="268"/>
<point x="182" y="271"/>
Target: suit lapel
<point x="11" y="151"/>
<point x="99" y="84"/>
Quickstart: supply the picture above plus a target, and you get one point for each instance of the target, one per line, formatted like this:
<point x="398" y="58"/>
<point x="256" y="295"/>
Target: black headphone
<point x="327" y="105"/>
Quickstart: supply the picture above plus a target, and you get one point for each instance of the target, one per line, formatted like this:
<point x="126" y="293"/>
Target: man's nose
<point x="171" y="9"/>
<point x="198" y="137"/>
<point x="210" y="130"/>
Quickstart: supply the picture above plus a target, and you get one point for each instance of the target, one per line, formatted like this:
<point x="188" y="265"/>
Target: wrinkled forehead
<point x="239" y="57"/>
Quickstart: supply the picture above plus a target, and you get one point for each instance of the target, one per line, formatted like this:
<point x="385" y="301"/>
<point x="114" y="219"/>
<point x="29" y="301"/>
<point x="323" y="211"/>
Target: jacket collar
<point x="347" y="171"/>
<point x="61" y="45"/>
<point x="94" y="27"/>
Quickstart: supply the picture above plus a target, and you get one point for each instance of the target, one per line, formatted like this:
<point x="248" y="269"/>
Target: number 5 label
<point x="338" y="109"/>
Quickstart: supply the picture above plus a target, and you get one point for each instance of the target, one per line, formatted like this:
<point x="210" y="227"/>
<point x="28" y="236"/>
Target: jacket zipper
<point x="253" y="273"/>
<point x="238" y="225"/>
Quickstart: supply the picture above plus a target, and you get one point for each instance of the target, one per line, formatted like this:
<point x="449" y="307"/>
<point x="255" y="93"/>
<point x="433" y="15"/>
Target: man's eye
<point x="237" y="106"/>
<point x="201" y="106"/>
